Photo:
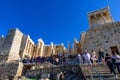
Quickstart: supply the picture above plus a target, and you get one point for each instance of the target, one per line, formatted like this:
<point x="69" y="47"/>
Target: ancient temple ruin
<point x="103" y="32"/>
<point x="15" y="45"/>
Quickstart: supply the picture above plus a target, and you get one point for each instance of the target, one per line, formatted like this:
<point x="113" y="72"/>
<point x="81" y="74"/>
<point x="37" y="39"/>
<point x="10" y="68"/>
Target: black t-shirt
<point x="107" y="58"/>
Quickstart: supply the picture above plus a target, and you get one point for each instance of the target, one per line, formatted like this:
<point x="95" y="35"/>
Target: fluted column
<point x="96" y="19"/>
<point x="103" y="17"/>
<point x="34" y="52"/>
<point x="27" y="45"/>
<point x="69" y="49"/>
<point x="30" y="49"/>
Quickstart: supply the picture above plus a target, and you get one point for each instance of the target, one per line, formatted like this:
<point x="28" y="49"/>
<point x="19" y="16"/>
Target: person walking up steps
<point x="86" y="58"/>
<point x="101" y="56"/>
<point x="109" y="63"/>
<point x="93" y="57"/>
<point x="117" y="60"/>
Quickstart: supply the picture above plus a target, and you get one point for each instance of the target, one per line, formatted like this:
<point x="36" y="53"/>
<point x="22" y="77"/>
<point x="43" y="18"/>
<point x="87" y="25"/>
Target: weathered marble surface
<point x="10" y="70"/>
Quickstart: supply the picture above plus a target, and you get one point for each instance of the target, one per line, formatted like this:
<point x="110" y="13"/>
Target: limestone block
<point x="10" y="69"/>
<point x="102" y="36"/>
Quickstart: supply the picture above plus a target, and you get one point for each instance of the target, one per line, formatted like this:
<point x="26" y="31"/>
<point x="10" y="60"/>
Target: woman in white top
<point x="86" y="58"/>
<point x="116" y="57"/>
<point x="93" y="57"/>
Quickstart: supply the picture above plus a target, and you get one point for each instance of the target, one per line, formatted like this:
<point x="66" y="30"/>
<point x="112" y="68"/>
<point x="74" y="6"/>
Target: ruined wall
<point x="103" y="36"/>
<point x="81" y="43"/>
<point x="11" y="70"/>
<point x="58" y="48"/>
<point x="100" y="16"/>
<point x="11" y="45"/>
<point x="23" y="46"/>
<point x="10" y="66"/>
<point x="27" y="46"/>
<point x="1" y="41"/>
<point x="47" y="50"/>
<point x="15" y="45"/>
<point x="53" y="49"/>
<point x="38" y="51"/>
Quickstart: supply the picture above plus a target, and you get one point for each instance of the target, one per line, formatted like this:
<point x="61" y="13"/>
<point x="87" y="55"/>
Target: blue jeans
<point x="118" y="66"/>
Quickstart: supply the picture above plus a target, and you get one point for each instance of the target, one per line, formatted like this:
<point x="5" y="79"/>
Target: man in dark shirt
<point x="101" y="55"/>
<point x="110" y="64"/>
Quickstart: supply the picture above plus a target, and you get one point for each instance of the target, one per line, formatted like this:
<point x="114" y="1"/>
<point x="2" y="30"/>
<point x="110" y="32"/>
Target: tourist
<point x="26" y="59"/>
<point x="79" y="58"/>
<point x="63" y="59"/>
<point x="109" y="63"/>
<point x="101" y="56"/>
<point x="93" y="57"/>
<point x="117" y="60"/>
<point x="38" y="59"/>
<point x="86" y="58"/>
<point x="56" y="61"/>
<point x="60" y="76"/>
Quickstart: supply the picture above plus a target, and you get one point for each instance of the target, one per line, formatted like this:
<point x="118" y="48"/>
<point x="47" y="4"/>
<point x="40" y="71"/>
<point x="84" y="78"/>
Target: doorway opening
<point x="114" y="49"/>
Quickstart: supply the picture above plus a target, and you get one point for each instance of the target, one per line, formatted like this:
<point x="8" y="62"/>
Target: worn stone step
<point x="99" y="72"/>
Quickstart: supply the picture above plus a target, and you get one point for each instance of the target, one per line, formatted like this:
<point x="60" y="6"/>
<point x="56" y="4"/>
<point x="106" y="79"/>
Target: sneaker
<point x="116" y="76"/>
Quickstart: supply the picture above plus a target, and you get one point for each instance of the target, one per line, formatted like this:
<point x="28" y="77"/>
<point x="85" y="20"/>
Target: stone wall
<point x="38" y="51"/>
<point x="1" y="41"/>
<point x="15" y="45"/>
<point x="47" y="50"/>
<point x="103" y="36"/>
<point x="42" y="70"/>
<point x="27" y="46"/>
<point x="82" y="38"/>
<point x="23" y="46"/>
<point x="10" y="70"/>
<point x="58" y="48"/>
<point x="11" y="45"/>
<point x="53" y="49"/>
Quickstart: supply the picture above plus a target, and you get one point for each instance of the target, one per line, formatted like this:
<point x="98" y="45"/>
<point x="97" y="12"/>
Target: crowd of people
<point x="112" y="60"/>
<point x="54" y="59"/>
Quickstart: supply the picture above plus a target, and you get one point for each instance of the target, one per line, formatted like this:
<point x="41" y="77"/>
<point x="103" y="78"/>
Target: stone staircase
<point x="99" y="72"/>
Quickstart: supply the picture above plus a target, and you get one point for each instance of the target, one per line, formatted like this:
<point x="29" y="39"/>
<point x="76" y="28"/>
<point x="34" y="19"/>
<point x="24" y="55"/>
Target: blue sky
<point x="57" y="21"/>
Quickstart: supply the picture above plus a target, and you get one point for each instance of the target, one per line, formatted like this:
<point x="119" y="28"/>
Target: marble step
<point x="100" y="72"/>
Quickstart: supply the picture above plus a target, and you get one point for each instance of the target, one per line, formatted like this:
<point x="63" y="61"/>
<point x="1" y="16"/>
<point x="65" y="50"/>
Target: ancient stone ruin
<point x="103" y="32"/>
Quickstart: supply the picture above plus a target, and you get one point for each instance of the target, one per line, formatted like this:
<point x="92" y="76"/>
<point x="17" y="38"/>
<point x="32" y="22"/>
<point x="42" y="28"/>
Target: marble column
<point x="89" y="19"/>
<point x="69" y="50"/>
<point x="103" y="17"/>
<point x="27" y="45"/>
<point x="37" y="51"/>
<point x="108" y="13"/>
<point x="29" y="48"/>
<point x="32" y="50"/>
<point x="96" y="19"/>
